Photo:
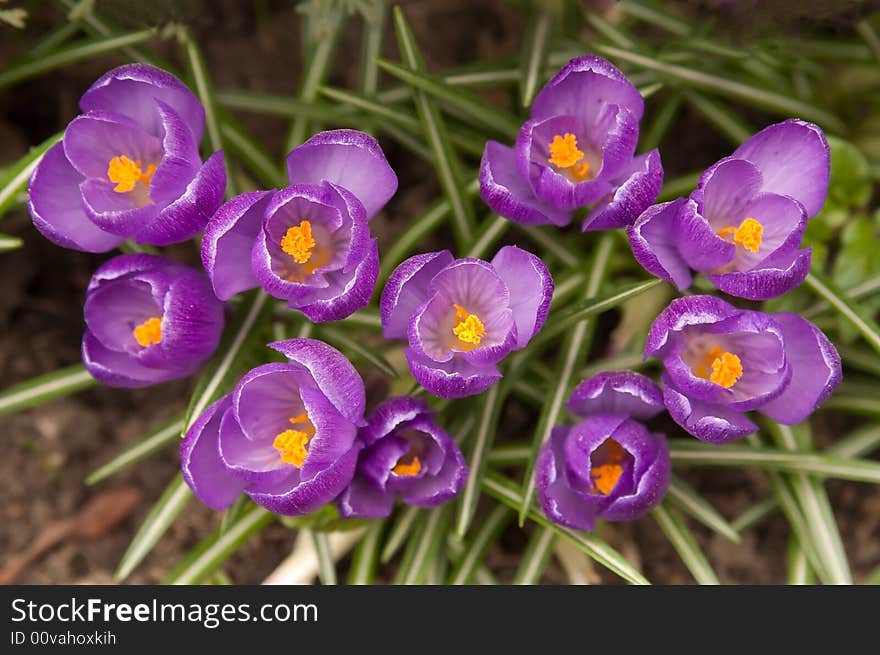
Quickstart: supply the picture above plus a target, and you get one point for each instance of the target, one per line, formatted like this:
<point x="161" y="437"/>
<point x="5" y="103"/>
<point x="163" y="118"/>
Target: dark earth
<point x="48" y="451"/>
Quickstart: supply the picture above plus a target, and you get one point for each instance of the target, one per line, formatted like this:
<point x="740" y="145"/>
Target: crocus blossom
<point x="721" y="362"/>
<point x="149" y="319"/>
<point x="310" y="243"/>
<point x="577" y="149"/>
<point x="462" y="316"/>
<point x="406" y="456"/>
<point x="743" y="224"/>
<point x="285" y="435"/>
<point x="609" y="465"/>
<point x="128" y="167"/>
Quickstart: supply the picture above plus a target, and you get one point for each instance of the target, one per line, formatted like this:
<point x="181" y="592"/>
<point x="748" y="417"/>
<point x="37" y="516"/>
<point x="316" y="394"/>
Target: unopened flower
<point x="576" y="150"/>
<point x="743" y="224"/>
<point x="285" y="436"/>
<point x="608" y="465"/>
<point x="406" y="456"/>
<point x="148" y="320"/>
<point x="462" y="316"/>
<point x="128" y="167"/>
<point x="310" y="243"/>
<point x="721" y="362"/>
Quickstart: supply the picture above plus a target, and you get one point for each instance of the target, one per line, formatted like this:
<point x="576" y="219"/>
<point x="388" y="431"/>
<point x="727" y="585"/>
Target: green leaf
<point x="161" y="516"/>
<point x="373" y="33"/>
<point x="847" y="309"/>
<point x="850" y="183"/>
<point x="662" y="19"/>
<point x="252" y="154"/>
<point x="688" y="500"/>
<point x="799" y="571"/>
<point x="401" y="529"/>
<point x="725" y="121"/>
<point x="153" y="442"/>
<point x="490" y="529"/>
<point x="424" y="547"/>
<point x="534" y="561"/>
<point x="549" y="239"/>
<point x="508" y="492"/>
<point x="493" y="229"/>
<point x="366" y="556"/>
<point x="685" y="544"/>
<point x="534" y="54"/>
<point x="215" y="549"/>
<point x="43" y="388"/>
<point x="324" y="555"/>
<point x="360" y="350"/>
<point x="16" y="176"/>
<point x="8" y="243"/>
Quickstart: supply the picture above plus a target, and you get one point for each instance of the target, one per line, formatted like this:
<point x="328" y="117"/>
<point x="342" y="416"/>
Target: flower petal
<point x="363" y="500"/>
<point x="778" y="274"/>
<point x="407" y="288"/>
<point x="617" y="392"/>
<point x="708" y="422"/>
<point x="346" y="293"/>
<point x="530" y="287"/>
<point x="635" y="190"/>
<point x="654" y="242"/>
<point x="453" y="379"/>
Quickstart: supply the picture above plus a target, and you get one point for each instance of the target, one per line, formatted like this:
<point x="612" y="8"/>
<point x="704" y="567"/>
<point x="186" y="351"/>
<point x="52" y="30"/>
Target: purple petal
<point x="698" y="244"/>
<point x="507" y="193"/>
<point x="794" y="160"/>
<point x="112" y="211"/>
<point x="654" y="242"/>
<point x="815" y="367"/>
<point x="180" y="160"/>
<point x="55" y="205"/>
<point x="389" y="414"/>
<point x="530" y="287"/>
<point x="118" y="369"/>
<point x="133" y="89"/>
<point x="652" y="483"/>
<point x="347" y="293"/>
<point x="682" y="313"/>
<point x="453" y="379"/>
<point x="433" y="490"/>
<point x="407" y="289"/>
<point x="635" y="191"/>
<point x="725" y="190"/>
<point x="348" y="158"/>
<point x="778" y="274"/>
<point x="334" y="433"/>
<point x="559" y="501"/>
<point x="362" y="499"/>
<point x="200" y="460"/>
<point x="92" y="140"/>
<point x="617" y="392"/>
<point x="708" y="422"/>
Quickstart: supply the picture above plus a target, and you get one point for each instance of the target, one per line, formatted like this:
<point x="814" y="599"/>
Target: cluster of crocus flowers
<point x="310" y="243"/>
<point x="286" y="435"/>
<point x="722" y="362"/>
<point x="149" y="319"/>
<point x="128" y="167"/>
<point x="405" y="456"/>
<point x="577" y="149"/>
<point x="609" y="465"/>
<point x="743" y="224"/>
<point x="463" y="316"/>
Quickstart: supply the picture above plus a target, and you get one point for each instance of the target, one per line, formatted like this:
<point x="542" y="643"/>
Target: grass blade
<point x="326" y="565"/>
<point x="682" y="539"/>
<point x="366" y="556"/>
<point x="140" y="450"/>
<point x="8" y="243"/>
<point x="553" y="244"/>
<point x="534" y="55"/>
<point x="424" y="547"/>
<point x="534" y="561"/>
<point x="688" y="500"/>
<point x="401" y="529"/>
<point x="46" y="387"/>
<point x="363" y="352"/>
<point x="845" y="307"/>
<point x="17" y="175"/>
<point x="494" y="228"/>
<point x="489" y="531"/>
<point x="727" y="123"/>
<point x="161" y="516"/>
<point x="373" y="33"/>
<point x="799" y="571"/>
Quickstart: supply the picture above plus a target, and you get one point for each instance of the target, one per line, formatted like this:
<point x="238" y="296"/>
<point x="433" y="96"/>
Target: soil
<point x="47" y="452"/>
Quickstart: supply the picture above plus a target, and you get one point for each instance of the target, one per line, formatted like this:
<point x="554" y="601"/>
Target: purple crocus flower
<point x="609" y="465"/>
<point x="722" y="362"/>
<point x="462" y="316"/>
<point x="743" y="224"/>
<point x="149" y="319"/>
<point x="285" y="435"/>
<point x="576" y="150"/>
<point x="308" y="244"/>
<point x="407" y="456"/>
<point x="128" y="167"/>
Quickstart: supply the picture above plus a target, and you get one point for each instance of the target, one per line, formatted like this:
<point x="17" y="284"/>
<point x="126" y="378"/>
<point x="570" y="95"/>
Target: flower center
<point x="726" y="367"/>
<point x="298" y="242"/>
<point x="291" y="444"/>
<point x="148" y="332"/>
<point x="468" y="327"/>
<point x="605" y="476"/>
<point x="125" y="173"/>
<point x="407" y="466"/>
<point x="748" y="234"/>
<point x="565" y="154"/>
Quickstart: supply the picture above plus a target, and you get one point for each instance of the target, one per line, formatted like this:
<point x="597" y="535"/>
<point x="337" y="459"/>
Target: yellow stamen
<point x="298" y="242"/>
<point x="564" y="151"/>
<point x="749" y="234"/>
<point x="407" y="468"/>
<point x="148" y="332"/>
<point x="291" y="444"/>
<point x="726" y="367"/>
<point x="125" y="173"/>
<point x="605" y="476"/>
<point x="468" y="327"/>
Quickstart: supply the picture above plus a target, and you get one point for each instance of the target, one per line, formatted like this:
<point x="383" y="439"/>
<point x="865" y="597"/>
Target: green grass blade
<point x="424" y="547"/>
<point x="46" y="387"/>
<point x="366" y="556"/>
<point x="161" y="516"/>
<point x="350" y="345"/>
<point x="373" y="33"/>
<point x="17" y="175"/>
<point x="552" y="243"/>
<point x="8" y="243"/>
<point x="536" y="557"/>
<point x="219" y="546"/>
<point x="727" y="122"/>
<point x="252" y="154"/>
<point x="508" y="492"/>
<point x="845" y="307"/>
<point x="489" y="531"/>
<point x="685" y="544"/>
<point x="663" y="20"/>
<point x="754" y="514"/>
<point x="493" y="229"/>
<point x="402" y="528"/>
<point x="534" y="55"/>
<point x="153" y="442"/>
<point x="799" y="571"/>
<point x="861" y="441"/>
<point x="324" y="555"/>
<point x="663" y="119"/>
<point x="688" y="500"/>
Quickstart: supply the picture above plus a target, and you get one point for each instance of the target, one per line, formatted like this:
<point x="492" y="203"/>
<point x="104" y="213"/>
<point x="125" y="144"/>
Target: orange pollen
<point x="564" y="152"/>
<point x="148" y="332"/>
<point x="749" y="234"/>
<point x="605" y="476"/>
<point x="726" y="367"/>
<point x="298" y="242"/>
<point x="468" y="327"/>
<point x="291" y="444"/>
<point x="407" y="468"/>
<point x="125" y="173"/>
